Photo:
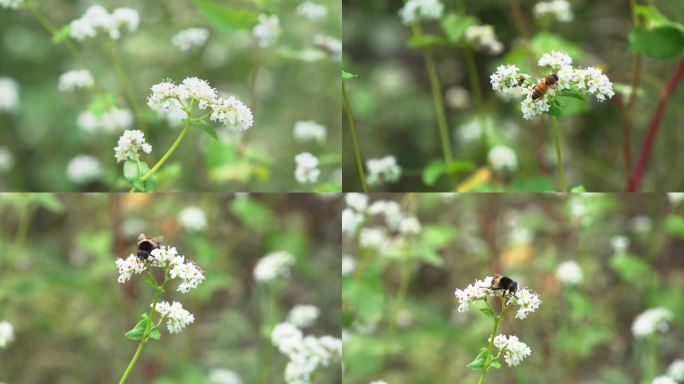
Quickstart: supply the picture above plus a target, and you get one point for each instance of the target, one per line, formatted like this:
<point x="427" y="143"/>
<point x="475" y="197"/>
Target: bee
<point x="146" y="245"/>
<point x="543" y="86"/>
<point x="508" y="285"/>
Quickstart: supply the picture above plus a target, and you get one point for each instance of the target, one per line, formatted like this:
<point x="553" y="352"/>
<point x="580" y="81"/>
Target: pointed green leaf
<point x="150" y="282"/>
<point x="136" y="333"/>
<point x="226" y="17"/>
<point x="662" y="42"/>
<point x="130" y="170"/>
<point x="155" y="334"/>
<point x="208" y="129"/>
<point x="479" y="362"/>
<point x="433" y="171"/>
<point x="455" y="25"/>
<point x="348" y="75"/>
<point x="488" y="312"/>
<point x="495" y="363"/>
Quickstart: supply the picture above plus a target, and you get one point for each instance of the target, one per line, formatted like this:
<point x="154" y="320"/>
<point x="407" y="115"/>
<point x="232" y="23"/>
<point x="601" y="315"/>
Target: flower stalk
<point x="559" y="159"/>
<point x="355" y="140"/>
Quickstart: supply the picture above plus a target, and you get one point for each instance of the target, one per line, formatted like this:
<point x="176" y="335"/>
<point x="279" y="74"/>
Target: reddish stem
<point x="653" y="129"/>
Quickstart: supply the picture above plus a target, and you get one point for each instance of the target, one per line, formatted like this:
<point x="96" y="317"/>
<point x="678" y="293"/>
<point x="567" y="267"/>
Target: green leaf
<point x="208" y="129"/>
<point x="459" y="166"/>
<point x="544" y="42"/>
<point x="661" y="42"/>
<point x="571" y="93"/>
<point x="432" y="172"/>
<point x="253" y="214"/>
<point x="554" y="110"/>
<point x="479" y="362"/>
<point x="654" y="18"/>
<point x="348" y="75"/>
<point x="675" y="226"/>
<point x="225" y="17"/>
<point x="62" y="34"/>
<point x="328" y="187"/>
<point x="155" y="334"/>
<point x="102" y="103"/>
<point x="130" y="170"/>
<point x="136" y="333"/>
<point x="488" y="312"/>
<point x="495" y="363"/>
<point x="426" y="41"/>
<point x="438" y="236"/>
<point x="138" y="185"/>
<point x="455" y="25"/>
<point x="578" y="189"/>
<point x="150" y="282"/>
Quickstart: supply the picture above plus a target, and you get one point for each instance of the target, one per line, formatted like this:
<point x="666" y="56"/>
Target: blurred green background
<point x="395" y="114"/>
<point x="297" y="81"/>
<point x="59" y="290"/>
<point x="400" y="317"/>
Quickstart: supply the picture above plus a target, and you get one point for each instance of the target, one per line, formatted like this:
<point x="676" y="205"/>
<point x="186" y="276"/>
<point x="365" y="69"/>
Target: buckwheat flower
<point x="129" y="144"/>
<point x="176" y="317"/>
<point x="506" y="78"/>
<point x="163" y="97"/>
<point x="390" y="209"/>
<point x="372" y="238"/>
<point x="128" y="267"/>
<point x="457" y="97"/>
<point x="409" y="226"/>
<point x="224" y="376"/>
<point x="11" y="4"/>
<point x="9" y="94"/>
<point x="333" y="345"/>
<point x="514" y="350"/>
<point x="651" y="321"/>
<point x="98" y="19"/>
<point x="199" y="90"/>
<point x="351" y="221"/>
<point x="531" y="108"/>
<point x="502" y="158"/>
<point x="166" y="257"/>
<point x="309" y="131"/>
<point x="619" y="243"/>
<point x="233" y="113"/>
<point x="72" y="80"/>
<point x="478" y="290"/>
<point x="273" y="265"/>
<point x="190" y="274"/>
<point x="6" y="159"/>
<point x="286" y="337"/>
<point x="307" y="168"/>
<point x="126" y="17"/>
<point x="267" y="31"/>
<point x="664" y="380"/>
<point x="675" y="197"/>
<point x="566" y="75"/>
<point x="83" y="169"/>
<point x="378" y="382"/>
<point x="482" y="37"/>
<point x="527" y="302"/>
<point x="383" y="170"/>
<point x="193" y="219"/>
<point x="421" y="10"/>
<point x="569" y="273"/>
<point x="357" y="201"/>
<point x="556" y="60"/>
<point x="303" y="315"/>
<point x="593" y="81"/>
<point x="312" y="11"/>
<point x="329" y="44"/>
<point x="191" y="38"/>
<point x="6" y="334"/>
<point x="348" y="265"/>
<point x="115" y="119"/>
<point x="559" y="9"/>
<point x="641" y="224"/>
<point x="676" y="370"/>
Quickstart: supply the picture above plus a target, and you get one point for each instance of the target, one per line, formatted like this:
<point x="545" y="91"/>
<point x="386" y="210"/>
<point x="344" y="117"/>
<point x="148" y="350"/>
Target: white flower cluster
<point x="383" y="170"/>
<point x="307" y="168"/>
<point x="169" y="98"/>
<point x="556" y="60"/>
<point x="193" y="219"/>
<point x="664" y="380"/>
<point x="593" y="81"/>
<point x="502" y="159"/>
<point x="6" y="159"/>
<point x="309" y="131"/>
<point x="83" y="169"/>
<point x="97" y="18"/>
<point x="129" y="144"/>
<point x="527" y="300"/>
<point x="483" y="38"/>
<point x="9" y="94"/>
<point x="348" y="265"/>
<point x="421" y="10"/>
<point x="6" y="334"/>
<point x="224" y="376"/>
<point x="329" y="44"/>
<point x="112" y="120"/>
<point x="676" y="370"/>
<point x="312" y="11"/>
<point x="72" y="80"/>
<point x="651" y="321"/>
<point x="189" y="274"/>
<point x="673" y="197"/>
<point x="514" y="351"/>
<point x="128" y="267"/>
<point x="267" y="31"/>
<point x="177" y="318"/>
<point x="559" y="9"/>
<point x="11" y="4"/>
<point x="306" y="353"/>
<point x="191" y="38"/>
<point x="303" y="316"/>
<point x="619" y="243"/>
<point x="569" y="273"/>
<point x="273" y="265"/>
<point x="506" y="79"/>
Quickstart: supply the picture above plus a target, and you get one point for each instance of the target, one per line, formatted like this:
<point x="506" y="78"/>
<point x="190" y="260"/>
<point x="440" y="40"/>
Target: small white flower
<point x="651" y="321"/>
<point x="129" y="144"/>
<point x="357" y="201"/>
<point x="72" y="80"/>
<point x="11" y="4"/>
<point x="273" y="265"/>
<point x="676" y="370"/>
<point x="457" y="97"/>
<point x="505" y="79"/>
<point x="619" y="243"/>
<point x="191" y="38"/>
<point x="559" y="9"/>
<point x="372" y="238"/>
<point x="641" y="224"/>
<point x="6" y="159"/>
<point x="409" y="226"/>
<point x="198" y="89"/>
<point x="286" y="337"/>
<point x="593" y="81"/>
<point x="307" y="168"/>
<point x="232" y="112"/>
<point x="383" y="170"/>
<point x="390" y="209"/>
<point x="98" y="19"/>
<point x="176" y="317"/>
<point x="164" y="96"/>
<point x="128" y="267"/>
<point x="528" y="302"/>
<point x="476" y="291"/>
<point x="312" y="11"/>
<point x="502" y="159"/>
<point x="113" y="120"/>
<point x="482" y="37"/>
<point x="224" y="376"/>
<point x="303" y="315"/>
<point x="514" y="350"/>
<point x="267" y="31"/>
<point x="329" y="44"/>
<point x="351" y="221"/>
<point x="348" y="265"/>
<point x="566" y="75"/>
<point x="664" y="380"/>
<point x="6" y="334"/>
<point x="83" y="169"/>
<point x="555" y="60"/>
<point x="421" y="10"/>
<point x="190" y="274"/>
<point x="531" y="108"/>
<point x="166" y="257"/>
<point x="126" y="17"/>
<point x="309" y="131"/>
<point x="193" y="219"/>
<point x="673" y="197"/>
<point x="569" y="273"/>
<point x="9" y="94"/>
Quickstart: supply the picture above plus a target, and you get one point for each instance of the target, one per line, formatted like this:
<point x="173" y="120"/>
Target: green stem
<point x="128" y="91"/>
<point x="166" y="156"/>
<point x="554" y="128"/>
<point x="439" y="104"/>
<point x="473" y="77"/>
<point x="485" y="368"/>
<point x="401" y="295"/>
<point x="355" y="140"/>
<point x="22" y="230"/>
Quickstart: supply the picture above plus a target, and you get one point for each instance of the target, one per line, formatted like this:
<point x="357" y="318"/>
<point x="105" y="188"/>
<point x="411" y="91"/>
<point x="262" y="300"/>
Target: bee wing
<point x="141" y="237"/>
<point x="159" y="239"/>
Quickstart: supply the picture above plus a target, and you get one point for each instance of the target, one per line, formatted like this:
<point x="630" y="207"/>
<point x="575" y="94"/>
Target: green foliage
<point x="138" y="331"/>
<point x="253" y="214"/>
<point x="348" y="75"/>
<point x="438" y="168"/>
<point x="455" y="25"/>
<point x="479" y="362"/>
<point x="206" y="128"/>
<point x="224" y="17"/>
<point x="425" y="41"/>
<point x="675" y="226"/>
<point x="662" y="38"/>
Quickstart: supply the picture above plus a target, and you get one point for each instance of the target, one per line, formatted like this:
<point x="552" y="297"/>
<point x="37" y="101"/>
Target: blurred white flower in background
<point x="378" y="382"/>
<point x="641" y="224"/>
<point x="177" y="318"/>
<point x="112" y="120"/>
<point x="72" y="80"/>
<point x="83" y="169"/>
<point x="382" y="170"/>
<point x="651" y="321"/>
<point x="303" y="316"/>
<point x="11" y="4"/>
<point x="312" y="11"/>
<point x="569" y="273"/>
<point x="356" y="201"/>
<point x="191" y="38"/>
<point x="267" y="31"/>
<point x="457" y="97"/>
<point x="98" y="19"/>
<point x="483" y="38"/>
<point x="514" y="350"/>
<point x="619" y="243"/>
<point x="372" y="238"/>
<point x="307" y="168"/>
<point x="421" y="10"/>
<point x="676" y="370"/>
<point x="348" y="265"/>
<point x="309" y="131"/>
<point x="351" y="221"/>
<point x="193" y="219"/>
<point x="224" y="376"/>
<point x="663" y="380"/>
<point x="409" y="226"/>
<point x="674" y="197"/>
<point x="6" y="159"/>
<point x="6" y="334"/>
<point x="502" y="159"/>
<point x="560" y="9"/>
<point x="273" y="265"/>
<point x="9" y="94"/>
<point x="332" y="45"/>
